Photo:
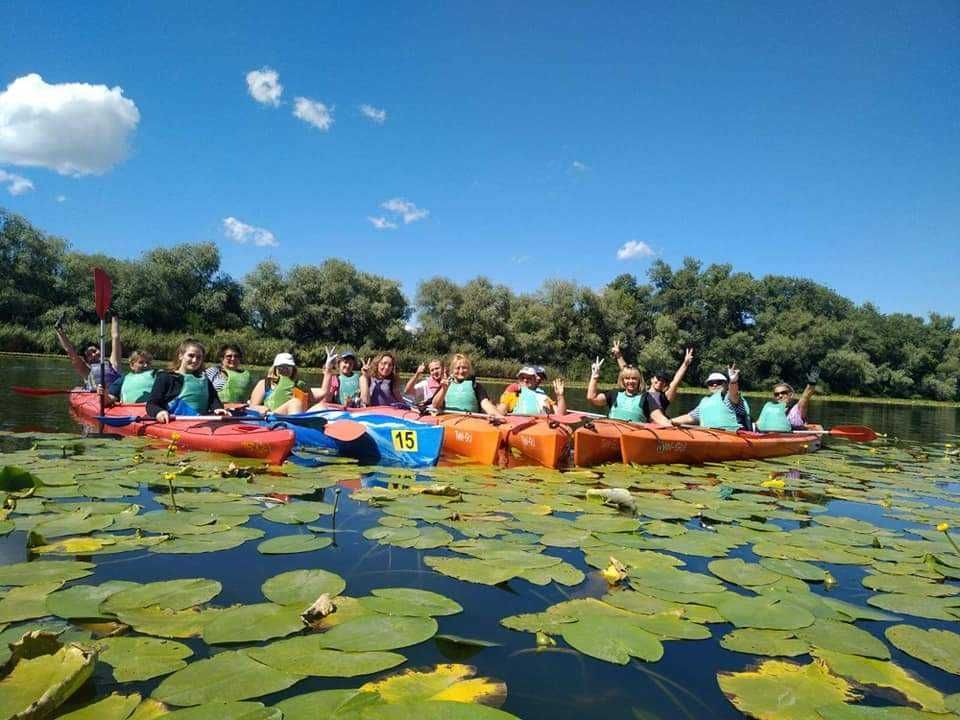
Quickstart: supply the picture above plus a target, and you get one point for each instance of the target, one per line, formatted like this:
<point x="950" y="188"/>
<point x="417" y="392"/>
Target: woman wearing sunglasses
<point x="724" y="408"/>
<point x="785" y="413"/>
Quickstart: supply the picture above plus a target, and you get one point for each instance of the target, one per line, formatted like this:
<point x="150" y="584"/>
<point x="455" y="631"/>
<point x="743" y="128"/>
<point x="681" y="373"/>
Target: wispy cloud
<point x="520" y="259"/>
<point x="264" y="86"/>
<point x="73" y="128"/>
<point x="634" y="249"/>
<point x="313" y="112"/>
<point x="381" y="223"/>
<point x="405" y="209"/>
<point x="242" y="233"/>
<point x="375" y="114"/>
<point x="578" y="166"/>
<point x="16" y="184"/>
<point x="61" y="198"/>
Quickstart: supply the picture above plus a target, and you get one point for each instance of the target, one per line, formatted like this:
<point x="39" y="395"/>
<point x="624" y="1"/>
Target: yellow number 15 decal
<point x="404" y="440"/>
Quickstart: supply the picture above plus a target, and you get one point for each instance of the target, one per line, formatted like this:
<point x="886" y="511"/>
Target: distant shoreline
<point x="865" y="400"/>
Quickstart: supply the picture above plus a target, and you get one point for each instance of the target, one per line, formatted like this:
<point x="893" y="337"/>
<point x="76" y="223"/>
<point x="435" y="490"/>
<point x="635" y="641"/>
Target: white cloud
<point x="578" y="166"/>
<point x="16" y="184"/>
<point x="242" y="233"/>
<point x="381" y="223"/>
<point x="73" y="128"/>
<point x="264" y="86"/>
<point x="520" y="259"/>
<point x="313" y="112"/>
<point x="61" y="198"/>
<point x="376" y="114"/>
<point x="634" y="249"/>
<point x="406" y="209"/>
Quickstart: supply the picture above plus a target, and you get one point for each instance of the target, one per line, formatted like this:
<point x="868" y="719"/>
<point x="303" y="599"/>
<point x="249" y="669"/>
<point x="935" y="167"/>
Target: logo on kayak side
<point x="465" y="437"/>
<point x="665" y="446"/>
<point x="528" y="441"/>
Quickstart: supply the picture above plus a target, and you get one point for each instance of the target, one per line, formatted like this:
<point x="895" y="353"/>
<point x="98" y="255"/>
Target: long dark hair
<point x="182" y="348"/>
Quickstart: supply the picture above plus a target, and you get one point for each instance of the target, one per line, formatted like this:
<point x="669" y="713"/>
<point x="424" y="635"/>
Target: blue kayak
<point x="389" y="441"/>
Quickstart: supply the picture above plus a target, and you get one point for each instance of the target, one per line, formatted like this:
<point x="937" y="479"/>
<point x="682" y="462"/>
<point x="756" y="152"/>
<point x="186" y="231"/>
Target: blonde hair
<point x="183" y="347"/>
<point x="629" y="370"/>
<point x="457" y="357"/>
<point x="144" y="355"/>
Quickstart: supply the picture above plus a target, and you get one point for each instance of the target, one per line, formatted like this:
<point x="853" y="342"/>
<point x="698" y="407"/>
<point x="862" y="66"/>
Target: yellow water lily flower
<point x="776" y="484"/>
<point x="943" y="527"/>
<point x="614" y="572"/>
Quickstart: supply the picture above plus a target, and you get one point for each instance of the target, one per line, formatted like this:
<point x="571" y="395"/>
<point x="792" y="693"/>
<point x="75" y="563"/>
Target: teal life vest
<point x="239" y="385"/>
<point x="773" y="418"/>
<point x="283" y="391"/>
<point x="461" y="396"/>
<point x="714" y="413"/>
<point x="628" y="407"/>
<point x="194" y="394"/>
<point x="136" y="387"/>
<point x="531" y="402"/>
<point x="348" y="388"/>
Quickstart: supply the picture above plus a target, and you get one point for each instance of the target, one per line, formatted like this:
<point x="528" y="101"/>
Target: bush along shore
<point x="775" y="327"/>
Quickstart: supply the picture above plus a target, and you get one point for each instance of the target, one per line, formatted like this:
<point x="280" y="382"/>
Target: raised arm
<point x="615" y="351"/>
<point x="733" y="387"/>
<point x="116" y="348"/>
<point x="561" y="400"/>
<point x="593" y="395"/>
<point x="365" y="381"/>
<point x="412" y="382"/>
<point x="808" y="392"/>
<point x="79" y="364"/>
<point x="678" y="376"/>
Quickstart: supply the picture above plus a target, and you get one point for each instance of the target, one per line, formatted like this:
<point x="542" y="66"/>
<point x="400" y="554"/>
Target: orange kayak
<point x="542" y="439"/>
<point x="653" y="445"/>
<point x="598" y="442"/>
<point x="231" y="438"/>
<point x="473" y="436"/>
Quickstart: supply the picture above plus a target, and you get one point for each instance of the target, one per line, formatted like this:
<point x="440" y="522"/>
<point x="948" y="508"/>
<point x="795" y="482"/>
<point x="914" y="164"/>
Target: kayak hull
<point x="653" y="445"/>
<point x="598" y="442"/>
<point x="471" y="436"/>
<point x="544" y="440"/>
<point x="231" y="438"/>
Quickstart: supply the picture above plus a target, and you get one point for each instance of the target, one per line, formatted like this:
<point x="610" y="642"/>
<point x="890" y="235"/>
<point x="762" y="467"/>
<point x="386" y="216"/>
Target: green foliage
<point x="775" y="328"/>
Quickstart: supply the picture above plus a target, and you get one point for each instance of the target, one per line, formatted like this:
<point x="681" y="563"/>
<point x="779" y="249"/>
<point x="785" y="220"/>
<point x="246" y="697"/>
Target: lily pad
<point x="369" y="633"/>
<point x="908" y="585"/>
<point x="472" y="569"/>
<point x="612" y="639"/>
<point x="779" y="690"/>
<point x="449" y="682"/>
<point x="435" y="710"/>
<point x="844" y="637"/>
<point x="83" y="601"/>
<point x="296" y="513"/>
<point x="939" y="648"/>
<point x="167" y="594"/>
<point x="328" y="704"/>
<point x="142" y="658"/>
<point x="795" y="568"/>
<point x="921" y="606"/>
<point x="163" y="622"/>
<point x="411" y="602"/>
<point x="764" y="642"/>
<point x="223" y="677"/>
<point x="607" y="523"/>
<point x="41" y="571"/>
<point x="112" y="707"/>
<point x="286" y="544"/>
<point x="214" y="542"/>
<point x="302" y="587"/>
<point x="765" y="612"/>
<point x="738" y="572"/>
<point x="252" y="623"/>
<point x="224" y="711"/>
<point x="307" y="655"/>
<point x="27" y="602"/>
<point x="846" y="711"/>
<point x="44" y="683"/>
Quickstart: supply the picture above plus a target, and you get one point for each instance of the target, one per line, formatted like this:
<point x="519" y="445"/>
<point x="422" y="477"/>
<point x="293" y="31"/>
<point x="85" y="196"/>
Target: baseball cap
<point x="716" y="376"/>
<point x="347" y="354"/>
<point x="661" y="375"/>
<point x="284" y="359"/>
<point x="540" y="371"/>
<point x="527" y="370"/>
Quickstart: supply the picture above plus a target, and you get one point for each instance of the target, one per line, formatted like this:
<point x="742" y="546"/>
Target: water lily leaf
<point x="857" y="612"/>
<point x="296" y="513"/>
<point x="472" y="569"/>
<point x="435" y="710"/>
<point x="779" y="690"/>
<point x="379" y="632"/>
<point x="391" y="535"/>
<point x="213" y="542"/>
<point x="42" y="571"/>
<point x="843" y="637"/>
<point x="307" y="655"/>
<point x="78" y="523"/>
<point x="795" y="568"/>
<point x="450" y="682"/>
<point x="880" y="673"/>
<point x="141" y="658"/>
<point x="765" y="612"/>
<point x="919" y="605"/>
<point x="83" y="601"/>
<point x="328" y="704"/>
<point x="866" y="712"/>
<point x="24" y="603"/>
<point x="672" y="627"/>
<point x="764" y="642"/>
<point x="251" y="623"/>
<point x="676" y="580"/>
<point x="564" y="537"/>
<point x="302" y="587"/>
<point x="224" y="677"/>
<point x="163" y="622"/>
<point x="639" y="603"/>
<point x="550" y="623"/>
<point x="612" y="639"/>
<point x="286" y="544"/>
<point x="112" y="707"/>
<point x="607" y="523"/>
<point x="168" y="594"/>
<point x="411" y="602"/>
<point x="38" y="686"/>
<point x="75" y="546"/>
<point x="940" y="648"/>
<point x="908" y="585"/>
<point x="225" y="711"/>
<point x="738" y="572"/>
<point x="563" y="573"/>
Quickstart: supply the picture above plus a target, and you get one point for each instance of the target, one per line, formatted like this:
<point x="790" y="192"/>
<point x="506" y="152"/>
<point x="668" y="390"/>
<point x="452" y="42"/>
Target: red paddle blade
<point x="42" y="391"/>
<point x="102" y="292"/>
<point x="345" y="430"/>
<point x="857" y="433"/>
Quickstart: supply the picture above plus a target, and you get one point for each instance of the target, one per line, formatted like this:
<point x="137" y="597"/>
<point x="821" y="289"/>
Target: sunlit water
<point x="556" y="684"/>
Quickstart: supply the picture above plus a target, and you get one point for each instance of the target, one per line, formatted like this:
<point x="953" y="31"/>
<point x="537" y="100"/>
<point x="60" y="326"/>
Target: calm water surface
<point x="558" y="684"/>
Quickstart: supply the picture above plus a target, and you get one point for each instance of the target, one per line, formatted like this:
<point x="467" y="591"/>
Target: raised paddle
<point x="854" y="433"/>
<point x="41" y="392"/>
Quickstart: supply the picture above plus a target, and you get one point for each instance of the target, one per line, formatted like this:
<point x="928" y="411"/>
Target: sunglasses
<point x="715" y="383"/>
<point x="781" y="393"/>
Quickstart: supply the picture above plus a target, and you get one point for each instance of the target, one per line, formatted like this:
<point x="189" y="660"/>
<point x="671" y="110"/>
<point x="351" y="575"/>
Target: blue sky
<point x="814" y="139"/>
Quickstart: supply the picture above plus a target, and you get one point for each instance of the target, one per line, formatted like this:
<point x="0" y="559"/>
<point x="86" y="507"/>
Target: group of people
<point x="187" y="387"/>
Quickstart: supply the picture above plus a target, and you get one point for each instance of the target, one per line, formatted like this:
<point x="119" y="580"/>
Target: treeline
<point x="774" y="327"/>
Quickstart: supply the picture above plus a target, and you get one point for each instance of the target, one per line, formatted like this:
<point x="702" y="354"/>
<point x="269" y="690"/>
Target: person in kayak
<point x="136" y="385"/>
<point x="460" y="391"/>
<point x="88" y="364"/>
<point x="341" y="381"/>
<point x="529" y="398"/>
<point x="184" y="389"/>
<point x="724" y="408"/>
<point x="280" y="392"/>
<point x="379" y="384"/>
<point x="423" y="391"/>
<point x="627" y="402"/>
<point x="663" y="387"/>
<point x="785" y="413"/>
<point x="233" y="383"/>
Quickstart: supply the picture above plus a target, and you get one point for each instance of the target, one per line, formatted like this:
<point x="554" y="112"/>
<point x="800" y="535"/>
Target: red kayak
<point x="231" y="438"/>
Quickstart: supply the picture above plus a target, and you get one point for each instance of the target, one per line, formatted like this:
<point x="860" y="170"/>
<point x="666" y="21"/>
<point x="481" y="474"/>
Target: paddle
<point x="854" y="433"/>
<point x="102" y="294"/>
<point x="40" y="392"/>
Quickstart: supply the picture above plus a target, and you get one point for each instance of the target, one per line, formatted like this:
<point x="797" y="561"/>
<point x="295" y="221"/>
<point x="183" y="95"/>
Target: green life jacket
<point x="349" y="388"/>
<point x="530" y="402"/>
<point x="136" y="387"/>
<point x="283" y="391"/>
<point x="628" y="407"/>
<point x="195" y="392"/>
<point x="239" y="386"/>
<point x="714" y="413"/>
<point x="773" y="418"/>
<point x="461" y="396"/>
